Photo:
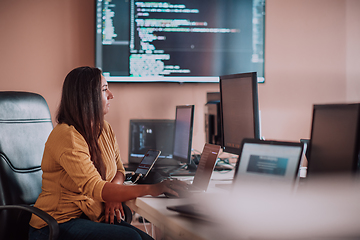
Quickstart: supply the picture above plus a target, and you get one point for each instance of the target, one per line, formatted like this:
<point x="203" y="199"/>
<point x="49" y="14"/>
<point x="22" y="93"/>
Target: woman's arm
<point x="119" y="178"/>
<point x="113" y="209"/>
<point x="114" y="193"/>
<point x="120" y="193"/>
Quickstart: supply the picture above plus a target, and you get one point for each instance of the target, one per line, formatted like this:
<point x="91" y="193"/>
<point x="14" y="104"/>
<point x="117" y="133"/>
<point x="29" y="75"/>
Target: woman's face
<point x="106" y="95"/>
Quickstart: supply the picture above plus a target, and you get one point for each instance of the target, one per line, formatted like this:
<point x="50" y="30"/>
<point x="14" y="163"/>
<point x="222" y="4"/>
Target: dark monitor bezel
<point x="180" y="158"/>
<point x="255" y="102"/>
<point x="311" y="172"/>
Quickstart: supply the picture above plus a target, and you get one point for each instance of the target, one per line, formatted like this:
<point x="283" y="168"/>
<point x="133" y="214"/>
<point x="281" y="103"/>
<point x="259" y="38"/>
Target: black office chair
<point x="25" y="124"/>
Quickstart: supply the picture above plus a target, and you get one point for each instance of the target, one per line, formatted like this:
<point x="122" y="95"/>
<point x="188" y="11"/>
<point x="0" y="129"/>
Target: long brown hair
<point x="81" y="107"/>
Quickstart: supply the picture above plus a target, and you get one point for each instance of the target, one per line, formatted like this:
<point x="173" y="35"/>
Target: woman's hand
<point x="169" y="186"/>
<point x="113" y="209"/>
<point x="122" y="193"/>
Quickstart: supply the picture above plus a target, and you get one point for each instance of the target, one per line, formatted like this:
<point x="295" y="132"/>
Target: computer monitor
<point x="145" y="134"/>
<point x="334" y="142"/>
<point x="178" y="40"/>
<point x="183" y="133"/>
<point x="239" y="110"/>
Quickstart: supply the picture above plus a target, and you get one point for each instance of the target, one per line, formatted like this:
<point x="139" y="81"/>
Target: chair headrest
<point x="22" y="106"/>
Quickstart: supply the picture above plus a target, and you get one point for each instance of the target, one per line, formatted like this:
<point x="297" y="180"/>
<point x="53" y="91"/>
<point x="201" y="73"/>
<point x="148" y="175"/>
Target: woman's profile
<point x="82" y="186"/>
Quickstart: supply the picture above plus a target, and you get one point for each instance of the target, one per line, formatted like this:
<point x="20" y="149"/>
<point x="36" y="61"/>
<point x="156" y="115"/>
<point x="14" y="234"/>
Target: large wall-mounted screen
<point x="179" y="40"/>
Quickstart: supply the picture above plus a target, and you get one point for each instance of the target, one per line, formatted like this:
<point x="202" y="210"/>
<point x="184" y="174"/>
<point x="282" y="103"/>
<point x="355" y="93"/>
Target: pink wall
<point x="312" y="56"/>
<point x="41" y="41"/>
<point x="353" y="50"/>
<point x="304" y="64"/>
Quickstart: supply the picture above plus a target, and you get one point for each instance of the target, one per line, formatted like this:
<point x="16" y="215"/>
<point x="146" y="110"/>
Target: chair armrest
<point x="128" y="213"/>
<point x="53" y="225"/>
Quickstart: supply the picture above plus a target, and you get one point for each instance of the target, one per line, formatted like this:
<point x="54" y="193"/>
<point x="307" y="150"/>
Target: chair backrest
<point x="25" y="124"/>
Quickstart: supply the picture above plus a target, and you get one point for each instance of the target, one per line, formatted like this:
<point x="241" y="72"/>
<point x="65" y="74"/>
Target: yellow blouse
<point x="71" y="184"/>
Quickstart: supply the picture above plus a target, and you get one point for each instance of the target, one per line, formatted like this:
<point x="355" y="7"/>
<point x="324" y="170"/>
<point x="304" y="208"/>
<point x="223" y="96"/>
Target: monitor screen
<point x="268" y="162"/>
<point x="179" y="40"/>
<point x="334" y="142"/>
<point x="239" y="110"/>
<point x="183" y="133"/>
<point x="145" y="134"/>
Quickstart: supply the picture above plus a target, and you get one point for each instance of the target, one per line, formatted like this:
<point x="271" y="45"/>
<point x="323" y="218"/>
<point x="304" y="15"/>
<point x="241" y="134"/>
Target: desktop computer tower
<point x="212" y="118"/>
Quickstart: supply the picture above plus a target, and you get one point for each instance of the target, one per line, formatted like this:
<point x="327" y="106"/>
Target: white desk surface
<point x="173" y="224"/>
<point x="325" y="209"/>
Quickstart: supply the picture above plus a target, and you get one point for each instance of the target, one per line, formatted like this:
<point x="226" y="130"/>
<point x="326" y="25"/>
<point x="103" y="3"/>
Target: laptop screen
<point x="268" y="161"/>
<point x="206" y="166"/>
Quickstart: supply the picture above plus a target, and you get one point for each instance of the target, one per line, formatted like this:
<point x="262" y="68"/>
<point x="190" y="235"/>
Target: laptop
<point x="268" y="162"/>
<point x="204" y="169"/>
<point x="260" y="161"/>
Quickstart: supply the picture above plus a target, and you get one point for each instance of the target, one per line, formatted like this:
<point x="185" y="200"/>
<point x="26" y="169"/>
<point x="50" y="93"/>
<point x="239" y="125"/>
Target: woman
<point x="83" y="175"/>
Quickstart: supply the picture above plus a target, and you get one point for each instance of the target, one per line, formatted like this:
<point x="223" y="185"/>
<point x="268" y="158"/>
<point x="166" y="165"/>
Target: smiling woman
<point x="83" y="174"/>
